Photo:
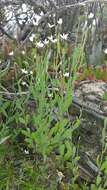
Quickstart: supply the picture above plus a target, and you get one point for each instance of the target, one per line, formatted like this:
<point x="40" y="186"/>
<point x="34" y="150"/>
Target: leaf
<point x="61" y="149"/>
<point x="3" y="140"/>
<point x="69" y="150"/>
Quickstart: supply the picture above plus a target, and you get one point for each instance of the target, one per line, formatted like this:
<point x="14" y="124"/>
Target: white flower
<point x="51" y="25"/>
<point x="36" y="20"/>
<point x="66" y="74"/>
<point x="24" y="83"/>
<point x="26" y="152"/>
<point x="11" y="53"/>
<point x="60" y="21"/>
<point x="31" y="72"/>
<point x="46" y="42"/>
<point x="94" y="22"/>
<point x="34" y="23"/>
<point x="50" y="95"/>
<point x="60" y="176"/>
<point x="91" y="15"/>
<point x="64" y="36"/>
<point x="23" y="52"/>
<point x="32" y="37"/>
<point x="15" y="36"/>
<point x="105" y="51"/>
<point x="24" y="71"/>
<point x="41" y="13"/>
<point x="39" y="45"/>
<point x="24" y="7"/>
<point x="52" y="39"/>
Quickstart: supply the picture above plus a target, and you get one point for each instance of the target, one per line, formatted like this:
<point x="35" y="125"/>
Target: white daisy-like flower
<point x="34" y="23"/>
<point x="24" y="71"/>
<point x="31" y="72"/>
<point x="31" y="38"/>
<point x="24" y="83"/>
<point x="60" y="176"/>
<point x="15" y="36"/>
<point x="24" y="7"/>
<point x="64" y="36"/>
<point x="36" y="19"/>
<point x="23" y="52"/>
<point x="91" y="15"/>
<point x="41" y="13"/>
<point x="39" y="45"/>
<point x="60" y="21"/>
<point x="26" y="151"/>
<point x="66" y="74"/>
<point x="50" y="95"/>
<point x="52" y="39"/>
<point x="105" y="51"/>
<point x="51" y="25"/>
<point x="11" y="53"/>
<point x="46" y="42"/>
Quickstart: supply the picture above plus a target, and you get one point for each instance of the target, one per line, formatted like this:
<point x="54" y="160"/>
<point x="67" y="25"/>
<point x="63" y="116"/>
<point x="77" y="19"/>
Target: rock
<point x="88" y="99"/>
<point x="89" y="96"/>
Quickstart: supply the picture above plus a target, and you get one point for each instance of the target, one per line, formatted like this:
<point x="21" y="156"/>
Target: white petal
<point x="24" y="71"/>
<point x="91" y="15"/>
<point x="46" y="42"/>
<point x="54" y="40"/>
<point x="60" y="21"/>
<point x="31" y="72"/>
<point x="105" y="51"/>
<point x="40" y="45"/>
<point x="64" y="36"/>
<point x="50" y="37"/>
<point x="94" y="22"/>
<point x="31" y="38"/>
<point x="66" y="74"/>
<point x="11" y="53"/>
<point x="23" y="52"/>
<point x="51" y="25"/>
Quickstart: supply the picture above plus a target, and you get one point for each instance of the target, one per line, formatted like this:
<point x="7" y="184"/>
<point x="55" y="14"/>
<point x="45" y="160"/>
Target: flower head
<point x="91" y="15"/>
<point x="60" y="21"/>
<point x="105" y="51"/>
<point x="36" y="19"/>
<point x="51" y="25"/>
<point x="46" y="42"/>
<point x="32" y="37"/>
<point x="11" y="53"/>
<point x="24" y="71"/>
<point x="31" y="72"/>
<point x="53" y="40"/>
<point x="64" y="36"/>
<point x="23" y="52"/>
<point x="66" y="74"/>
<point x="39" y="45"/>
<point x="24" y="83"/>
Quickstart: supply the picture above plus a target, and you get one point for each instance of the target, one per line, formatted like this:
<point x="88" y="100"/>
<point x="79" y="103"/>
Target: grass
<point x="37" y="151"/>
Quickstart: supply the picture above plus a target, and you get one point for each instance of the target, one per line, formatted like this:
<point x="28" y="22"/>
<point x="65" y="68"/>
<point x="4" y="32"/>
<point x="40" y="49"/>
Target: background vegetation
<point x="47" y="48"/>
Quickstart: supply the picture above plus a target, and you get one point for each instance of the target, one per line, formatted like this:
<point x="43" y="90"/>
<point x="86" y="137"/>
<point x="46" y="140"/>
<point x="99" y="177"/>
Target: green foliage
<point x="37" y="151"/>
